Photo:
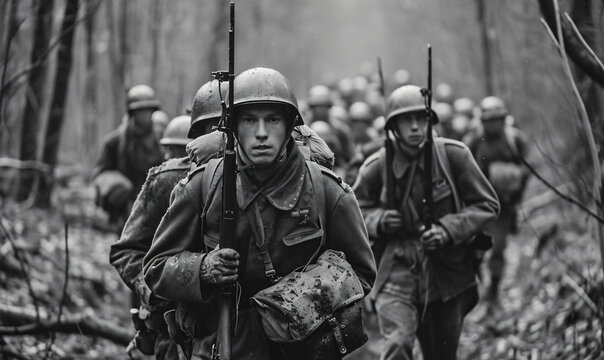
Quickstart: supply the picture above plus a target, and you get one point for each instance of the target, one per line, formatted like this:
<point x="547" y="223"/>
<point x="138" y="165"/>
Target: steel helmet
<point x="360" y="111"/>
<point x="406" y="99"/>
<point x="443" y="93"/>
<point x="492" y="107"/>
<point x="176" y="131"/>
<point x="444" y="111"/>
<point x="206" y="105"/>
<point x="319" y="95"/>
<point x="264" y="85"/>
<point x="141" y="97"/>
<point x="401" y="77"/>
<point x="464" y="106"/>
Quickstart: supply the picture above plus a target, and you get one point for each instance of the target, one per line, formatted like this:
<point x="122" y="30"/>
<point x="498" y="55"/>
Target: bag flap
<point x="301" y="301"/>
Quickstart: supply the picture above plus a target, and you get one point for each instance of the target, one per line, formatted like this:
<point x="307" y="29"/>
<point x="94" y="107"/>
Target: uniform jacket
<point x="126" y="254"/>
<point x="508" y="148"/>
<point x="281" y="212"/>
<point x="452" y="266"/>
<point x="132" y="156"/>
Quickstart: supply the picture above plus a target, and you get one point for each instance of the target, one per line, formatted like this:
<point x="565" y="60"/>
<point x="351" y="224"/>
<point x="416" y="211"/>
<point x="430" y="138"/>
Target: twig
<point x="25" y="273"/>
<point x="559" y="193"/>
<point x="64" y="296"/>
<point x="9" y="42"/>
<point x="24" y="164"/>
<point x="579" y="290"/>
<point x="583" y="42"/>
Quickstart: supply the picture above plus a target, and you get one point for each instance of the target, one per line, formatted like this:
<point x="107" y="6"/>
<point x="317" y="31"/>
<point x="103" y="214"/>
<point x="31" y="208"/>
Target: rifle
<point x="428" y="201"/>
<point x="229" y="201"/>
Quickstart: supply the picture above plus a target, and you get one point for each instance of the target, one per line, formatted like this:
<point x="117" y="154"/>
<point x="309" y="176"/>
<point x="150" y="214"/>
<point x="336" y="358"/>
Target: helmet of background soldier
<point x="206" y="107"/>
<point x="492" y="107"/>
<point x="444" y="111"/>
<point x="319" y="95"/>
<point x="160" y="120"/>
<point x="141" y="97"/>
<point x="406" y="99"/>
<point x="443" y="93"/>
<point x="401" y="78"/>
<point x="464" y="106"/>
<point x="360" y="111"/>
<point x="264" y="85"/>
<point x="338" y="113"/>
<point x="176" y="131"/>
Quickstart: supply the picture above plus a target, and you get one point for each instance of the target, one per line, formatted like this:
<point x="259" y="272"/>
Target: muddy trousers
<point x="500" y="230"/>
<point x="438" y="331"/>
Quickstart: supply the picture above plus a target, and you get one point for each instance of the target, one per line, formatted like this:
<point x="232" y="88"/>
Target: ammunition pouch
<point x="314" y="313"/>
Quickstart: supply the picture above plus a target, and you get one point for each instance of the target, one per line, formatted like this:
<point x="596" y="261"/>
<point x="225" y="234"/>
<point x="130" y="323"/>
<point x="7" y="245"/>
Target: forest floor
<point x="551" y="304"/>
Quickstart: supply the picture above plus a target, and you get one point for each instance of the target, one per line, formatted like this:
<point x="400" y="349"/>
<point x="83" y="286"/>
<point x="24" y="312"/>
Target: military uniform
<point x="504" y="151"/>
<point x="279" y="216"/>
<point x="126" y="255"/>
<point x="132" y="156"/>
<point x="419" y="292"/>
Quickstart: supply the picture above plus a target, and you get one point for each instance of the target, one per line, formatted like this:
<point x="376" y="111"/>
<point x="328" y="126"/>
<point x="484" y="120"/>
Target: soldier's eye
<point x="247" y="119"/>
<point x="275" y="119"/>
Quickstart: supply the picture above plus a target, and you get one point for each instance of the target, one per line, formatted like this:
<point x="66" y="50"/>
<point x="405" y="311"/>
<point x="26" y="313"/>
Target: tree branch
<point x="86" y="323"/>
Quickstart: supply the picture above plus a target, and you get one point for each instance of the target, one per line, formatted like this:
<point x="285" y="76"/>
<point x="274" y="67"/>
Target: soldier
<point x="127" y="154"/>
<point x="498" y="151"/>
<point x="279" y="227"/>
<point x="320" y="102"/>
<point x="160" y="121"/>
<point x="126" y="255"/>
<point x="445" y="128"/>
<point x="174" y="139"/>
<point x="426" y="281"/>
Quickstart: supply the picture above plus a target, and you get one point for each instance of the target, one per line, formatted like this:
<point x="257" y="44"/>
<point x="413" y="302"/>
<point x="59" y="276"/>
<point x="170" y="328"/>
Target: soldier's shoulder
<point x="172" y="165"/>
<point x="331" y="179"/>
<point x="375" y="159"/>
<point x="195" y="174"/>
<point x="452" y="146"/>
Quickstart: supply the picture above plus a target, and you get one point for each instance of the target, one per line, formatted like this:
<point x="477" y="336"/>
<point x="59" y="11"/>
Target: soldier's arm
<point x="126" y="254"/>
<point x="171" y="266"/>
<point x="346" y="232"/>
<point x="107" y="159"/>
<point x="481" y="205"/>
<point x="367" y="188"/>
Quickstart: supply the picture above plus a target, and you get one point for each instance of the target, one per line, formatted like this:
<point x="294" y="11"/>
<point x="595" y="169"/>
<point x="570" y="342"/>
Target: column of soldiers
<point x="421" y="281"/>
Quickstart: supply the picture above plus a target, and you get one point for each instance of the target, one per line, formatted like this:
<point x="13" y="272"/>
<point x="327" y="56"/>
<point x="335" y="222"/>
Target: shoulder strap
<point x="318" y="184"/>
<point x="443" y="161"/>
<point x="209" y="184"/>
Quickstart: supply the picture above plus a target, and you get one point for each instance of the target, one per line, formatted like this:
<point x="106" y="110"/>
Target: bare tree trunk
<point x="156" y="21"/>
<point x="486" y="47"/>
<point x="34" y="94"/>
<point x="57" y="107"/>
<point x="91" y="117"/>
<point x="117" y="64"/>
<point x="6" y="140"/>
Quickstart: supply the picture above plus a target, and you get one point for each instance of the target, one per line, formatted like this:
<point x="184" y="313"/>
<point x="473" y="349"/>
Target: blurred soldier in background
<point x="361" y="121"/>
<point x="175" y="137"/>
<point x="498" y="151"/>
<point x="278" y="210"/>
<point x="126" y="255"/>
<point x="361" y="116"/>
<point x="320" y="102"/>
<point x="127" y="154"/>
<point x="464" y="121"/>
<point x="160" y="120"/>
<point x="444" y="128"/>
<point x="443" y="93"/>
<point x="426" y="281"/>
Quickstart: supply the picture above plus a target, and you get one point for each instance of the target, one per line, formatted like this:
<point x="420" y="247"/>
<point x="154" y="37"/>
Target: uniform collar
<point x="402" y="162"/>
<point x="282" y="190"/>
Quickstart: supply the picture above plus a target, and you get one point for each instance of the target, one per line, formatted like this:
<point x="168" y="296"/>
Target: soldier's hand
<point x="391" y="222"/>
<point x="219" y="267"/>
<point x="435" y="238"/>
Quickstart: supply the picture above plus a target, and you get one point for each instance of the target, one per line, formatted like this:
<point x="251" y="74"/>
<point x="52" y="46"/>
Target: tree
<point x="57" y="107"/>
<point x="35" y="93"/>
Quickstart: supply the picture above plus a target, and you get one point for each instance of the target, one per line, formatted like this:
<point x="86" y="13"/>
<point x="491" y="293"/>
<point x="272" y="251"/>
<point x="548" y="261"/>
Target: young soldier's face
<point x="412" y="128"/>
<point x="261" y="131"/>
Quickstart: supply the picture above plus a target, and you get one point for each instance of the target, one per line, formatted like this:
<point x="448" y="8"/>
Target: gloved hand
<point x="435" y="238"/>
<point x="391" y="222"/>
<point x="219" y="267"/>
